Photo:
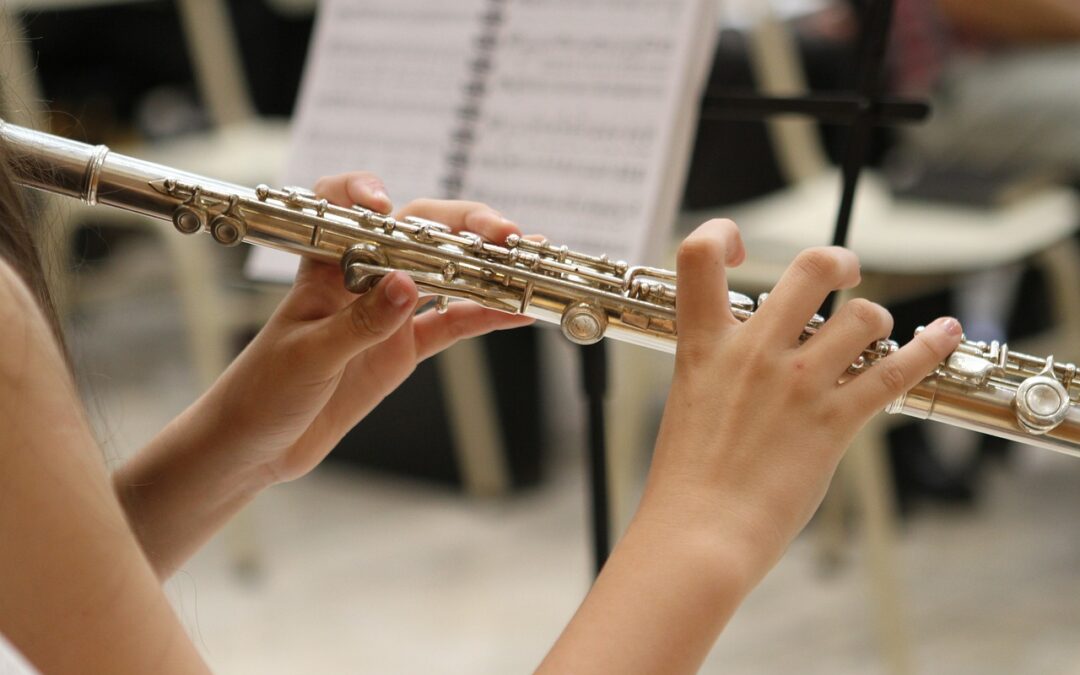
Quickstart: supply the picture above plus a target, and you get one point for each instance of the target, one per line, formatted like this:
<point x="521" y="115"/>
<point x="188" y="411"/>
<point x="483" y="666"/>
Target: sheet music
<point x="380" y="89"/>
<point x="573" y="117"/>
<point x="583" y="104"/>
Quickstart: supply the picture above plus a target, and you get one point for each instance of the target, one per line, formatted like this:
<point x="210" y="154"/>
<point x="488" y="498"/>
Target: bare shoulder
<point x="25" y="337"/>
<point x="15" y="297"/>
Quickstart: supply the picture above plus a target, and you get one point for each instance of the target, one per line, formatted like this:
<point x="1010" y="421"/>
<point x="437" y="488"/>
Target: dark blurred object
<point x="1032" y="311"/>
<point x="920" y="474"/>
<point x="273" y="47"/>
<point x="96" y="64"/>
<point x="734" y="161"/>
<point x="108" y="66"/>
<point x="984" y="187"/>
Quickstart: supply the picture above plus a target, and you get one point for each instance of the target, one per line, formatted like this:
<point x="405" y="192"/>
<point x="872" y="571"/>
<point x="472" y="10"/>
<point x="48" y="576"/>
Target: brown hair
<point x="20" y="243"/>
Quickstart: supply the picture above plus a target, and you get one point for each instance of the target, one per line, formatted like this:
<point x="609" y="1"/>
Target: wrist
<point x="661" y="600"/>
<point x="742" y="547"/>
<point x="211" y="434"/>
<point x="199" y="448"/>
<point x="181" y="488"/>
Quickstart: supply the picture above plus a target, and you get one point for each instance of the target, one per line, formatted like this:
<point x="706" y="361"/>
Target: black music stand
<point x="861" y="110"/>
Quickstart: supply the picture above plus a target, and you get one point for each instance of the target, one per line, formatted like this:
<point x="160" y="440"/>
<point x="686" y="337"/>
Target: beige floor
<point x="364" y="574"/>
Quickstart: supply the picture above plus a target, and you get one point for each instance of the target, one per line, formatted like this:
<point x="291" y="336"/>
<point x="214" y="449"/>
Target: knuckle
<point x="803" y="385"/>
<point x="362" y="323"/>
<point x="927" y="353"/>
<point x="891" y="376"/>
<point x="818" y="263"/>
<point x="728" y="232"/>
<point x="691" y="352"/>
<point x="700" y="250"/>
<point x="457" y="330"/>
<point x="833" y="413"/>
<point x="456" y="326"/>
<point x="463" y="328"/>
<point x="875" y="318"/>
<point x="758" y="356"/>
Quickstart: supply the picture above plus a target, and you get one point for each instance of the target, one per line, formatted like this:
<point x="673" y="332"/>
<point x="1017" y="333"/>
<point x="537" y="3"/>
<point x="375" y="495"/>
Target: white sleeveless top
<point x="11" y="661"/>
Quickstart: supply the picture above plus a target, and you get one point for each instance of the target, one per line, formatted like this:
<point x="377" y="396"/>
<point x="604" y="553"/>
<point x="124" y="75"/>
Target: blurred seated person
<point x="1004" y="78"/>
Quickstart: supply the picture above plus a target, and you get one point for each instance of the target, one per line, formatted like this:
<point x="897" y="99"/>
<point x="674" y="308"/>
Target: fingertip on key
<point x="948" y="325"/>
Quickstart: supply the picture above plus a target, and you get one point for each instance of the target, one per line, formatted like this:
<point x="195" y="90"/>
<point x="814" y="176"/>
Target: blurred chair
<point x="905" y="248"/>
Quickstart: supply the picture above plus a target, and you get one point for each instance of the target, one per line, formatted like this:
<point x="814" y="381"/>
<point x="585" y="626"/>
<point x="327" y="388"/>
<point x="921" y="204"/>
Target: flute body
<point x="981" y="386"/>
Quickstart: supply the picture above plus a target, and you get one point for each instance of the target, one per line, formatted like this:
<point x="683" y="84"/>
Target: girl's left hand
<point x="327" y="357"/>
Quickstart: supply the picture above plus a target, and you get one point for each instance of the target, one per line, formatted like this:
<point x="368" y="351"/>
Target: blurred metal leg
<point x="473" y="417"/>
<point x="873" y="494"/>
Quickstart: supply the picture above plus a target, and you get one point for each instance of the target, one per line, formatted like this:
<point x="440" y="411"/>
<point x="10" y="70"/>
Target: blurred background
<point x="954" y="553"/>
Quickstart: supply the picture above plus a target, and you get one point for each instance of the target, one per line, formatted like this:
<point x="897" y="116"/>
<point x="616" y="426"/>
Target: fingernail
<point x="948" y="325"/>
<point x="371" y="192"/>
<point x="396" y="292"/>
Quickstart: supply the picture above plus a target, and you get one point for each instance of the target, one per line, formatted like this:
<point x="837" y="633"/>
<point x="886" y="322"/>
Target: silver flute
<point x="980" y="386"/>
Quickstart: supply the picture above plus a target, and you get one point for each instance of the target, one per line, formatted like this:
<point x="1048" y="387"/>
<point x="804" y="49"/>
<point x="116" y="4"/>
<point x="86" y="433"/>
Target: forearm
<point x="1016" y="21"/>
<point x="658" y="606"/>
<point x="183" y="487"/>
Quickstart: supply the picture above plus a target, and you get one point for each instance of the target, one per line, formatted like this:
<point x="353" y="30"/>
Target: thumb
<point x="370" y="319"/>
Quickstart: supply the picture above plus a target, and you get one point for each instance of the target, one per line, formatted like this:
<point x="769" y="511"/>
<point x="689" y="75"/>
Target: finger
<point x="462" y="215"/>
<point x="813" y="274"/>
<point x="370" y="319"/>
<point x="702" y="307"/>
<point x="844" y="337"/>
<point x="356" y="187"/>
<point x="893" y="375"/>
<point x="435" y="332"/>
